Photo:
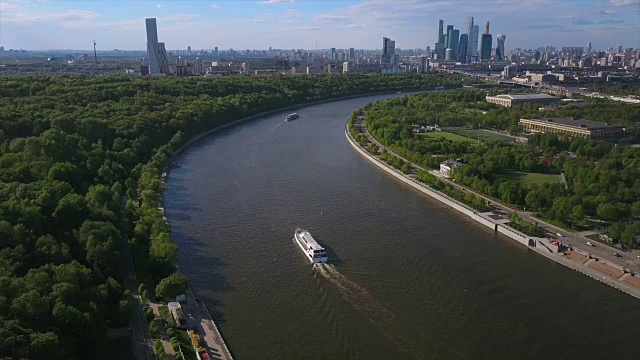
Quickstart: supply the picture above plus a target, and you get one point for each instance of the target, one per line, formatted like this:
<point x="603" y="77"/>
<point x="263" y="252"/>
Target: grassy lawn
<point x="481" y="134"/>
<point x="533" y="178"/>
<point x="185" y="343"/>
<point x="448" y="136"/>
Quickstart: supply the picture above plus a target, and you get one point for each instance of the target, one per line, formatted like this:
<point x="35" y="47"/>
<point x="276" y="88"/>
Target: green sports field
<point x="533" y="178"/>
<point x="482" y="134"/>
<point x="448" y="136"/>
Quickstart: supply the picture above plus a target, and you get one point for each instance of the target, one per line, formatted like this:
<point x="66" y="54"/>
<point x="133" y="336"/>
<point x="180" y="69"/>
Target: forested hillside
<point x="80" y="165"/>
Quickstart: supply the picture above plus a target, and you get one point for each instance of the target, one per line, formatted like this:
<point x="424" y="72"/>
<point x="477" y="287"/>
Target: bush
<point x="154" y="328"/>
<point x="149" y="315"/>
<point x="141" y="288"/>
<point x="172" y="332"/>
<point x="171" y="286"/>
<point x="175" y="346"/>
<point x="166" y="315"/>
<point x="144" y="296"/>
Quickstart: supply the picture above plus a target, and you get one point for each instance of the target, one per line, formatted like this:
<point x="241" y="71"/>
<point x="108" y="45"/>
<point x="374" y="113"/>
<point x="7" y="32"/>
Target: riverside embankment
<point x="203" y="319"/>
<point x="410" y="277"/>
<point x="599" y="269"/>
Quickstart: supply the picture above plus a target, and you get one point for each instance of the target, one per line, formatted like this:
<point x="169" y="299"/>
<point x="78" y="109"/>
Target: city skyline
<point x="299" y="24"/>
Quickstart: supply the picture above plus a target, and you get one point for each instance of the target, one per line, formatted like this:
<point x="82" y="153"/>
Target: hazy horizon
<point x="285" y="24"/>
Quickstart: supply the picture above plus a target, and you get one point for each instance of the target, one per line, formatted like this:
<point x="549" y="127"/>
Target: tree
<point x="71" y="212"/>
<point x="68" y="173"/>
<point x="45" y="346"/>
<point x="172" y="286"/>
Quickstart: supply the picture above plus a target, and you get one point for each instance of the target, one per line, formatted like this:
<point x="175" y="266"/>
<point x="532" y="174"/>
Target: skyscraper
<point x="439" y="48"/>
<point x="464" y="46"/>
<point x="470" y="49"/>
<point x="453" y="42"/>
<point x="485" y="46"/>
<point x="352" y="54"/>
<point x="500" y="47"/>
<point x="588" y="54"/>
<point x="423" y="65"/>
<point x="388" y="51"/>
<point x="152" y="45"/>
<point x="474" y="49"/>
<point x="158" y="61"/>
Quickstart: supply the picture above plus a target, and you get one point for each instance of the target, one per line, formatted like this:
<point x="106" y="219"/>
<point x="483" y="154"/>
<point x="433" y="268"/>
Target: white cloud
<point x="624" y="2"/>
<point x="291" y="13"/>
<point x="353" y="26"/>
<point x="276" y="2"/>
<point x="214" y="6"/>
<point x="333" y="18"/>
<point x="7" y="7"/>
<point x="68" y="18"/>
<point x="161" y="6"/>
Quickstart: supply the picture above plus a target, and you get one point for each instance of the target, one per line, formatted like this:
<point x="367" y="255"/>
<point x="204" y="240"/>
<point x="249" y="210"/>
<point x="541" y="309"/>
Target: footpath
<point x="619" y="273"/>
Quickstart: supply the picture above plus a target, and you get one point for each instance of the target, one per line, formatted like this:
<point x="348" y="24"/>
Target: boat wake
<point x="357" y="296"/>
<point x="377" y="313"/>
<point x="380" y="314"/>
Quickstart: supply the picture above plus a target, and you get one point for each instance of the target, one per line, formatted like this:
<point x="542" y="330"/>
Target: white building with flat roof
<point x="447" y="167"/>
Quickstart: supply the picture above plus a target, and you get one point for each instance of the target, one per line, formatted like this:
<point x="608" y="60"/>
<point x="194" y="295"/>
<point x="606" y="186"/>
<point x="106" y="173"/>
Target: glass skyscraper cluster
<point x="453" y="46"/>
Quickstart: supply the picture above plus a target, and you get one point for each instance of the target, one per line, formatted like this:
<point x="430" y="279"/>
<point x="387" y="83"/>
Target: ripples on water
<point x="409" y="278"/>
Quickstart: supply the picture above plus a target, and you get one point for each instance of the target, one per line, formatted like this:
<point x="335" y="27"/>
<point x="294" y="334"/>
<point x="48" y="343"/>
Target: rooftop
<point x="306" y="236"/>
<point x="577" y="123"/>
<point x="452" y="164"/>
<point x="174" y="305"/>
<point x="526" y="96"/>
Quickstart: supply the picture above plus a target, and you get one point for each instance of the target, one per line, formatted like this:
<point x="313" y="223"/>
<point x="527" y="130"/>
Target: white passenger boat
<point x="291" y="117"/>
<point x="314" y="252"/>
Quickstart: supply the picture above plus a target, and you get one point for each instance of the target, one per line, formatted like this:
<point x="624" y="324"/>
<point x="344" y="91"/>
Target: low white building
<point x="447" y="167"/>
<point x="178" y="314"/>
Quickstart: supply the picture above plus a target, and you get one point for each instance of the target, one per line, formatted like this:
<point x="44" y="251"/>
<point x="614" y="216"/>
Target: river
<point x="409" y="277"/>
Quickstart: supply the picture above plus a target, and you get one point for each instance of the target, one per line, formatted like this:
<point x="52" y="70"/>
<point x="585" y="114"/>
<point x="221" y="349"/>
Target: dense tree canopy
<point x="602" y="180"/>
<point x="81" y="160"/>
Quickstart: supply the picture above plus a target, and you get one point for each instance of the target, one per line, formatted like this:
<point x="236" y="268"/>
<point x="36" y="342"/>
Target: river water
<point x="409" y="277"/>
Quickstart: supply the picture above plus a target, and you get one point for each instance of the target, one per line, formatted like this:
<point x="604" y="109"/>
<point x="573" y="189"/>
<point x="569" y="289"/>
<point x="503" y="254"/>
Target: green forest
<point x="81" y="160"/>
<point x="602" y="180"/>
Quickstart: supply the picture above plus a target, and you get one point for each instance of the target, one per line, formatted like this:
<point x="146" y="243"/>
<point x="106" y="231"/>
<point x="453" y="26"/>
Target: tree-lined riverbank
<point x="81" y="160"/>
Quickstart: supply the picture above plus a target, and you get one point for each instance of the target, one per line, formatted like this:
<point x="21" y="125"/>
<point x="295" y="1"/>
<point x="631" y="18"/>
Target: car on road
<point x="617" y="255"/>
<point x="589" y="243"/>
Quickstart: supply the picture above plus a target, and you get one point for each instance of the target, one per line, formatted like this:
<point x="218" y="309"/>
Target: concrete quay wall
<point x="514" y="234"/>
<point x="532" y="243"/>
<point x="486" y="222"/>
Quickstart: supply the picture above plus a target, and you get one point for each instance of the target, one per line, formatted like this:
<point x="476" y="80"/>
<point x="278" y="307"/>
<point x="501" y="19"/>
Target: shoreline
<point x="529" y="242"/>
<point x="217" y="334"/>
<point x="291" y="107"/>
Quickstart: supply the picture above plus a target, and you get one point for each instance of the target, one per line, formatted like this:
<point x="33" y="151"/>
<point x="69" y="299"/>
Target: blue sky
<point x="255" y="24"/>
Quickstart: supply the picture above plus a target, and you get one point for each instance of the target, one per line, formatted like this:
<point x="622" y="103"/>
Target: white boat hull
<point x="309" y="256"/>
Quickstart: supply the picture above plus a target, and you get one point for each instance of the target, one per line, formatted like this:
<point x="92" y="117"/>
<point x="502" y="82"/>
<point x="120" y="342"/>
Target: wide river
<point x="409" y="278"/>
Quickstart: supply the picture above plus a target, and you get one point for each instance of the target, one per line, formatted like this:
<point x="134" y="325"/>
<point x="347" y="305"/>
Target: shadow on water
<point x="213" y="304"/>
<point x="205" y="281"/>
<point x="332" y="256"/>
